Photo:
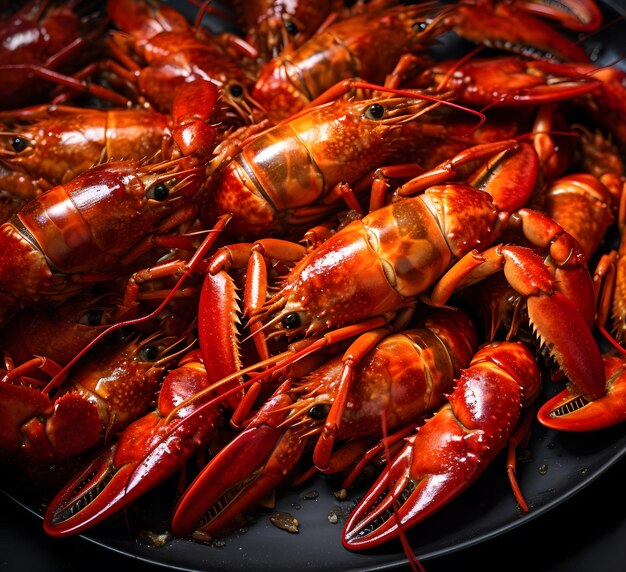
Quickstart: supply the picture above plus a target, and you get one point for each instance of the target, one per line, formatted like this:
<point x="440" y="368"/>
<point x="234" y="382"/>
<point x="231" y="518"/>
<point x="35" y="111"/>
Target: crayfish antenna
<point x="611" y="339"/>
<point x="414" y="563"/>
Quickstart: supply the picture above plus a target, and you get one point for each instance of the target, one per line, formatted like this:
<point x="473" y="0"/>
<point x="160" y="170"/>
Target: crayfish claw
<point x="85" y="498"/>
<point x="451" y="450"/>
<point x="569" y="410"/>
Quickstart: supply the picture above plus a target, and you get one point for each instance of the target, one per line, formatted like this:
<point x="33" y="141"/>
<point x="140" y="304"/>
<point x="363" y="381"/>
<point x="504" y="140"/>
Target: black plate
<point x="557" y="467"/>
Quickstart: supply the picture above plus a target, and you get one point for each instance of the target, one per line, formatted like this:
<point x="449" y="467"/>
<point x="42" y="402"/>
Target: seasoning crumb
<point x="311" y="495"/>
<point x="155" y="538"/>
<point x="285" y="521"/>
<point x="201" y="536"/>
<point x="335" y="515"/>
<point x="341" y="494"/>
<point x="543" y="469"/>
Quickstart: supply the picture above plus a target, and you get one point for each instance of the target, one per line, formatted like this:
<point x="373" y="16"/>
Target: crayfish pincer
<point x="449" y="452"/>
<point x="139" y="458"/>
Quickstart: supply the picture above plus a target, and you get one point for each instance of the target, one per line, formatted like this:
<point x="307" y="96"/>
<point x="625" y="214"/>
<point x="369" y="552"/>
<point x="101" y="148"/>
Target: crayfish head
<point x="169" y="181"/>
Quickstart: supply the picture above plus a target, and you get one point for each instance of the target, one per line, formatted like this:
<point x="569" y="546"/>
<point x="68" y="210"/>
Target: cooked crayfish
<point x="98" y="399"/>
<point x="296" y="173"/>
<point x="42" y="147"/>
<point x="402" y="377"/>
<point x="46" y="146"/>
<point x="145" y="454"/>
<point x="344" y="50"/>
<point x="159" y="51"/>
<point x="506" y="81"/>
<point x="450" y="451"/>
<point x="95" y="225"/>
<point x="511" y="26"/>
<point x="56" y="332"/>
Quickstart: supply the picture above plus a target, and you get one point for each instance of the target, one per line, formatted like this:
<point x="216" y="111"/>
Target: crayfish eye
<point x="292" y="321"/>
<point x="235" y="90"/>
<point x="148" y="353"/>
<point x="291" y="27"/>
<point x="92" y="318"/>
<point x="375" y="111"/>
<point x="420" y="26"/>
<point x="158" y="192"/>
<point x="19" y="144"/>
<point x="319" y="411"/>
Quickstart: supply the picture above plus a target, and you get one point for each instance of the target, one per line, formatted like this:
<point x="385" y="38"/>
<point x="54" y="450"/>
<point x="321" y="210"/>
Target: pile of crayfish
<point x="303" y="243"/>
